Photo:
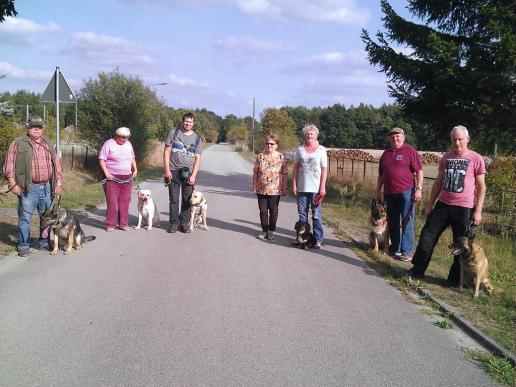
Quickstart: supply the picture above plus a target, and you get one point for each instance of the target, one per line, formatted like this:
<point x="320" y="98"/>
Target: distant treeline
<point x="364" y="126"/>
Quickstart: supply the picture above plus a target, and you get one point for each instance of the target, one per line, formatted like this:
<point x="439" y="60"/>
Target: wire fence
<point x="499" y="206"/>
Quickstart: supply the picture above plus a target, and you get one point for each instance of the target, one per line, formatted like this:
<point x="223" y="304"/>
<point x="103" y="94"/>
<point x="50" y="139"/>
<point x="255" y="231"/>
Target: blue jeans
<point x="305" y="200"/>
<point x="398" y="205"/>
<point x="38" y="198"/>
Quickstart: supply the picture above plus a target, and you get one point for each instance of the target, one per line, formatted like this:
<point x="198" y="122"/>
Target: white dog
<point x="198" y="210"/>
<point x="147" y="210"/>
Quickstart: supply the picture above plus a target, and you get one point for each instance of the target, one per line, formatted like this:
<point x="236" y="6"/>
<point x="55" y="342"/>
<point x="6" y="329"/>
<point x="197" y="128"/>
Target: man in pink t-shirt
<point x="460" y="192"/>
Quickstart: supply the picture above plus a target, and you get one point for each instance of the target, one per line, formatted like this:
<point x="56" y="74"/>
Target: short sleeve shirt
<point x="270" y="170"/>
<point x="310" y="164"/>
<point x="397" y="166"/>
<point x="118" y="158"/>
<point x="459" y="178"/>
<point x="184" y="149"/>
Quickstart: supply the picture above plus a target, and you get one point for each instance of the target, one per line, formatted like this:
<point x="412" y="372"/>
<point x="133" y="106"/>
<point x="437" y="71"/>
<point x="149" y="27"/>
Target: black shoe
<point x="24" y="253"/>
<point x="415" y="273"/>
<point x="172" y="229"/>
<point x="184" y="230"/>
<point x="41" y="247"/>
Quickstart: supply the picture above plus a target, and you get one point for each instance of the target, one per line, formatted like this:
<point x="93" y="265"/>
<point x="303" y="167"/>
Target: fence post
<point x="73" y="147"/>
<point x="352" y="168"/>
<point x="364" y="176"/>
<point x="86" y="158"/>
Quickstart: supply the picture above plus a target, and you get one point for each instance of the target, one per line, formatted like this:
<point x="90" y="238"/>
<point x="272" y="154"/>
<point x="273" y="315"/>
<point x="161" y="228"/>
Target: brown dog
<point x="379" y="235"/>
<point x="474" y="268"/>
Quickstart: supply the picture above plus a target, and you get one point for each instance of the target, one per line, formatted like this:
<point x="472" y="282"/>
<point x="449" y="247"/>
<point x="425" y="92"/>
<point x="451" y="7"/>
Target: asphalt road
<point x="217" y="307"/>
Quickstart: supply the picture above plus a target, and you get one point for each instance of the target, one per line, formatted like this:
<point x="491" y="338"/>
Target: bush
<point x="8" y="132"/>
<point x="501" y="197"/>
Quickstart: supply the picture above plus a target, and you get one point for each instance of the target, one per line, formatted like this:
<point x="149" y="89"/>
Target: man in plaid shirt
<point x="34" y="172"/>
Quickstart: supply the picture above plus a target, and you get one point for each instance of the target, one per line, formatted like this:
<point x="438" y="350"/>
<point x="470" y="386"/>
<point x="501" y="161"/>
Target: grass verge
<point x="347" y="209"/>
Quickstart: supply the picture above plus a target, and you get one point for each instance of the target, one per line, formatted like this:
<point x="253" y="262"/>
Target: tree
<point x="337" y="127"/>
<point x="7" y="9"/>
<point x="114" y="100"/>
<point x="238" y="133"/>
<point x="460" y="69"/>
<point x="8" y="132"/>
<point x="227" y="122"/>
<point x="278" y="122"/>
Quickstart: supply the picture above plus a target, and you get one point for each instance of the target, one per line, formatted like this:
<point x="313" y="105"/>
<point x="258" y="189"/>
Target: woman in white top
<point x="309" y="180"/>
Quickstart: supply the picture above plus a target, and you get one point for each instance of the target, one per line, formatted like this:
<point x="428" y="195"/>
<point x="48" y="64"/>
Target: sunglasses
<point x="271" y="143"/>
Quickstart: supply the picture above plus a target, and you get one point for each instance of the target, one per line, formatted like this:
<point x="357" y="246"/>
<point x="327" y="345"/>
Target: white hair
<point x="123" y="132"/>
<point x="461" y="128"/>
<point x="310" y="128"/>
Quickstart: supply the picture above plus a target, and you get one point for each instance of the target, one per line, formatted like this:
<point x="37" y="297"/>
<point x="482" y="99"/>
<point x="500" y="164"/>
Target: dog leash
<point x="406" y="218"/>
<point x="116" y="180"/>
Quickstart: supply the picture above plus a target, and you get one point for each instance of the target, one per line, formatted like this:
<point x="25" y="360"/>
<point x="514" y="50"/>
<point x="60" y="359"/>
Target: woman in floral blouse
<point x="269" y="183"/>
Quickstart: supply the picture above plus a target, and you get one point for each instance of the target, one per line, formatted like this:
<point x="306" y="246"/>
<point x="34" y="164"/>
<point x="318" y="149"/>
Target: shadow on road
<point x="286" y="241"/>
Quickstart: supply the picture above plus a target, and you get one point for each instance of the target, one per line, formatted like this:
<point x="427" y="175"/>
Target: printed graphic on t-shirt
<point x="454" y="174"/>
<point x="179" y="146"/>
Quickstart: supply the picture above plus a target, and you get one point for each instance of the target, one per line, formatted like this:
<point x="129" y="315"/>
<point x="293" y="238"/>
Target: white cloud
<point x="332" y="11"/>
<point x="11" y="71"/>
<point x="23" y="32"/>
<point x="107" y="50"/>
<point x="182" y="92"/>
<point x="330" y="63"/>
<point x="250" y="46"/>
<point x="325" y="11"/>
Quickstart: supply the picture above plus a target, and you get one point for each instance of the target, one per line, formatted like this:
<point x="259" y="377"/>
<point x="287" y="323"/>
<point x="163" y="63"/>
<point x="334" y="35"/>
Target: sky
<point x="213" y="54"/>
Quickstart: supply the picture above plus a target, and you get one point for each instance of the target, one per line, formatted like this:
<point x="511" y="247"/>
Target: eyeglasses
<point x="36" y="127"/>
<point x="270" y="143"/>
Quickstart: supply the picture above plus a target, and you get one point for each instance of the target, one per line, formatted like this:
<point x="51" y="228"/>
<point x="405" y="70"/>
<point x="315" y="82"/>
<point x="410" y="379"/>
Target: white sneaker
<point x="270" y="235"/>
<point x="262" y="235"/>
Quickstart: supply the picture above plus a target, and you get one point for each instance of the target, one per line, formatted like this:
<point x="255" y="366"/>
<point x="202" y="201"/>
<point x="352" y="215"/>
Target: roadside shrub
<point x="501" y="197"/>
<point x="8" y="132"/>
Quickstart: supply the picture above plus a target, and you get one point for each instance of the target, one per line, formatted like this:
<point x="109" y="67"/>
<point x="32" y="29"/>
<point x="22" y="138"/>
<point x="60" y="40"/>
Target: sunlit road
<point x="217" y="307"/>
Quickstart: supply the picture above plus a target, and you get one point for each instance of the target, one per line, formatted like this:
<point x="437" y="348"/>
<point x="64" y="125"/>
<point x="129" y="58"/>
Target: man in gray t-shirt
<point x="181" y="162"/>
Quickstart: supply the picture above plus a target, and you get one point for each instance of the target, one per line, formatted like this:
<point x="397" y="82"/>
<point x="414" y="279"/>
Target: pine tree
<point x="457" y="67"/>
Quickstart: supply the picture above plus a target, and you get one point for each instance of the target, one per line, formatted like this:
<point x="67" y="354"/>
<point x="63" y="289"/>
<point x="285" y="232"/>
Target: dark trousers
<point x="268" y="206"/>
<point x="179" y="190"/>
<point x="438" y="220"/>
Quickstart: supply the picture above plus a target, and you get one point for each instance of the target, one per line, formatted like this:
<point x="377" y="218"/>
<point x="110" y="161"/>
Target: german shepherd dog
<point x="66" y="229"/>
<point x="474" y="267"/>
<point x="379" y="235"/>
<point x="304" y="237"/>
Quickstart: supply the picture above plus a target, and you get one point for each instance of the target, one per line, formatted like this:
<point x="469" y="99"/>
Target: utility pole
<point x="252" y="130"/>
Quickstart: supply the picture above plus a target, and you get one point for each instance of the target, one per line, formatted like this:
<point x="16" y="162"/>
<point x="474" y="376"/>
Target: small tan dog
<point x="147" y="210"/>
<point x="379" y="235"/>
<point x="198" y="210"/>
<point x="474" y="267"/>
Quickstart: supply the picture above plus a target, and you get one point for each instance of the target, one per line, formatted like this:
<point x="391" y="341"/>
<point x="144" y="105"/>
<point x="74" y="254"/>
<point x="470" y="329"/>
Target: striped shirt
<point x="41" y="162"/>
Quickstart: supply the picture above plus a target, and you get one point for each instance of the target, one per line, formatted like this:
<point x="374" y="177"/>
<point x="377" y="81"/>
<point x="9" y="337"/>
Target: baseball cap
<point x="396" y="130"/>
<point x="35" y="121"/>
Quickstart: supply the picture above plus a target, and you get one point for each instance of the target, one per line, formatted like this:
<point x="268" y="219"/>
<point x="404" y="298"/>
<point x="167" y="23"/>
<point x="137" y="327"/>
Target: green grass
<point x="499" y="368"/>
<point x="347" y="209"/>
<point x="444" y="324"/>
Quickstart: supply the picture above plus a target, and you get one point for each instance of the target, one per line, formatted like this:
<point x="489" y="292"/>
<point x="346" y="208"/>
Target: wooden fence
<point x="78" y="156"/>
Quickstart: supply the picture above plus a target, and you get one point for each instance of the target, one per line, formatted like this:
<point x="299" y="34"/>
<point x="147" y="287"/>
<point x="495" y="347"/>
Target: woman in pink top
<point x="116" y="158"/>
